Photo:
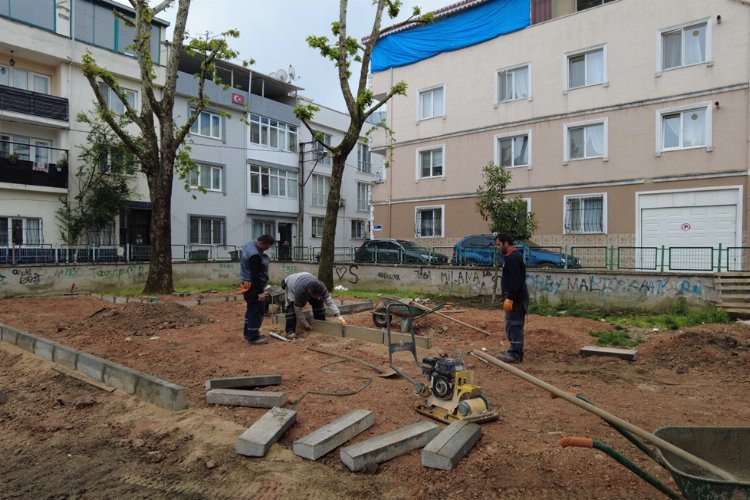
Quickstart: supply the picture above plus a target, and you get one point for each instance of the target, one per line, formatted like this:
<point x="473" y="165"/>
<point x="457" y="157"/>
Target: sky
<point x="274" y="32"/>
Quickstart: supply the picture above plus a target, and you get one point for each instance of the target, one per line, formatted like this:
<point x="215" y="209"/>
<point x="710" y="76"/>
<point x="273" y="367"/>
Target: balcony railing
<point x="33" y="103"/>
<point x="51" y="170"/>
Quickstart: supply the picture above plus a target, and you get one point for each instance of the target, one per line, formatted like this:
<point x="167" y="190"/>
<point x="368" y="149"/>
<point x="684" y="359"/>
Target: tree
<point x="159" y="144"/>
<point x="103" y="189"/>
<point x="504" y="215"/>
<point x="509" y="216"/>
<point x="343" y="51"/>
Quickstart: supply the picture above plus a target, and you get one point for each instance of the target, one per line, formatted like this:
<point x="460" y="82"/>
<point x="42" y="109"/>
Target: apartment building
<point x="246" y="181"/>
<point x="623" y="122"/>
<point x="42" y="89"/>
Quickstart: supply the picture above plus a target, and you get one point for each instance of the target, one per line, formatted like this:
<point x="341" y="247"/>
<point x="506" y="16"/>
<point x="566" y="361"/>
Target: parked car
<point x="392" y="251"/>
<point x="479" y="250"/>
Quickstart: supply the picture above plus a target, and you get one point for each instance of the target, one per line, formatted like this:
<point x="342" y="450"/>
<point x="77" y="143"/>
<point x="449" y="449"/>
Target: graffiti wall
<point x="579" y="284"/>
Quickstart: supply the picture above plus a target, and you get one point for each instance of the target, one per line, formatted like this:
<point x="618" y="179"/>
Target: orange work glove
<point x="244" y="287"/>
<point x="507" y="305"/>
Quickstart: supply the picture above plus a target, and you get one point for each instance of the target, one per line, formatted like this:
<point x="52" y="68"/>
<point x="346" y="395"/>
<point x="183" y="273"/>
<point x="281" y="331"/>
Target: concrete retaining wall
<point x="582" y="285"/>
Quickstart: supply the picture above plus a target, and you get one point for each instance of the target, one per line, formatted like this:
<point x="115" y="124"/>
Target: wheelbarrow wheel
<point x="380" y="319"/>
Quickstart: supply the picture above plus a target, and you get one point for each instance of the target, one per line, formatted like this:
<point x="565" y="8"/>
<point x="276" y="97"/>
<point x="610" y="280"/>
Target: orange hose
<point x="581" y="442"/>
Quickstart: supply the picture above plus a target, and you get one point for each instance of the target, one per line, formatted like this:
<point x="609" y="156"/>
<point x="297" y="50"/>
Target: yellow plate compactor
<point x="451" y="394"/>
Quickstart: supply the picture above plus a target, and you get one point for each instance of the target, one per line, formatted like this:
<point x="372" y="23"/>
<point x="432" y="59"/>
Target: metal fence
<point x="655" y="259"/>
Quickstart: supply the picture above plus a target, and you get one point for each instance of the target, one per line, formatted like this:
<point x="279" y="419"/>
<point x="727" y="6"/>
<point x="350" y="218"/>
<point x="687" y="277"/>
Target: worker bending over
<point x="302" y="288"/>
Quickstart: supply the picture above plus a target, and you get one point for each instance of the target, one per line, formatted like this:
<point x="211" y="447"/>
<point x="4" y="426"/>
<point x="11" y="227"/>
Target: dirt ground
<point x="63" y="438"/>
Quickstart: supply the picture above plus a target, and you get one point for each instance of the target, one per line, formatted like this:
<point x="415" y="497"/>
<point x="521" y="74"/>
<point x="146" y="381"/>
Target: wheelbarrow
<point x="387" y="307"/>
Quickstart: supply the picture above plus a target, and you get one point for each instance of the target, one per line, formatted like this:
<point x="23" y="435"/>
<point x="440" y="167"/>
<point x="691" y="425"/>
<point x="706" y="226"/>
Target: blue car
<point x="479" y="250"/>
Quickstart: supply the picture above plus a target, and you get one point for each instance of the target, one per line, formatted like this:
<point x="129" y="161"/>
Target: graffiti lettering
<point x="347" y="272"/>
<point x="616" y="285"/>
<point x="475" y="279"/>
<point x="389" y="276"/>
<point x="422" y="273"/>
<point x="288" y="269"/>
<point x="26" y="276"/>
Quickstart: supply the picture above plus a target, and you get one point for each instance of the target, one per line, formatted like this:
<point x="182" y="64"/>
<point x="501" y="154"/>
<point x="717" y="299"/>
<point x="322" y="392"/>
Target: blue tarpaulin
<point x="475" y="25"/>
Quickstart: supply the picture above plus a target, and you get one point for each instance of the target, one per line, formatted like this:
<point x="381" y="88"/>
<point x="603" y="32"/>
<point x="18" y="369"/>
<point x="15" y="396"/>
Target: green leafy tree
<point x="503" y="214"/>
<point x="102" y="187"/>
<point x="343" y="50"/>
<point x="154" y="138"/>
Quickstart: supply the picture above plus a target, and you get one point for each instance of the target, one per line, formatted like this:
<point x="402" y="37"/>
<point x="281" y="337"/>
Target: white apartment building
<point x="623" y="122"/>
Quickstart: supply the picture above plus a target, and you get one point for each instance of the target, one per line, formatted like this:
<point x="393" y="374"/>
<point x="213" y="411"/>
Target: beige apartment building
<point x="623" y="122"/>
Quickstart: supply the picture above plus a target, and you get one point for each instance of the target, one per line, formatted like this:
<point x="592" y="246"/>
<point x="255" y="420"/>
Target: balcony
<point x="20" y="169"/>
<point x="33" y="103"/>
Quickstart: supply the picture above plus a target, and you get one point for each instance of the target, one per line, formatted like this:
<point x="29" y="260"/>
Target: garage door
<point x="690" y="222"/>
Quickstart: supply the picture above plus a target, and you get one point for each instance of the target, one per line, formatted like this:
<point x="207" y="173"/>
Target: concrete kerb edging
<point x="147" y="387"/>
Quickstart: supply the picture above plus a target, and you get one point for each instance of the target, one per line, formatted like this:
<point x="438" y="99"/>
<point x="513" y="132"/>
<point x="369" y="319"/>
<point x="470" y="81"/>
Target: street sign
<point x="377" y="227"/>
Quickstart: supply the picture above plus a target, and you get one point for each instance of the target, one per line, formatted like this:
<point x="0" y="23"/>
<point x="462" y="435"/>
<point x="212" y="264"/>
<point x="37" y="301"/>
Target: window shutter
<point x="418" y="228"/>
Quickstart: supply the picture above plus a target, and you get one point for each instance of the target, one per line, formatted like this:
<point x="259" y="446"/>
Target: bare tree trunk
<point x="328" y="245"/>
<point x="159" y="278"/>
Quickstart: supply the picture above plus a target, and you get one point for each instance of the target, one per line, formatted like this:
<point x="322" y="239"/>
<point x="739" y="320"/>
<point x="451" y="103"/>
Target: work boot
<point x="506" y="357"/>
<point x="257" y="341"/>
<point x="290" y="335"/>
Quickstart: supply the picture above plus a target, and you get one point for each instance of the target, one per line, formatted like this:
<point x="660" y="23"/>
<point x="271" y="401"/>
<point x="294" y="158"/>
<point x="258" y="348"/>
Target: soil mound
<point x="145" y="318"/>
<point x="701" y="345"/>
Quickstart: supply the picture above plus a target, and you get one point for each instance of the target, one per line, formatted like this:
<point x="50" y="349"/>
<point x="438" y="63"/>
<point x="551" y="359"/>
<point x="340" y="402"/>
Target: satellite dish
<point x="274" y="75"/>
<point x="292" y="73"/>
<point x="281" y="75"/>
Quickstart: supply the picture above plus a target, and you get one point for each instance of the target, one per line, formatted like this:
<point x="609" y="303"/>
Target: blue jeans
<point x="319" y="312"/>
<point x="514" y="325"/>
<point x="253" y="316"/>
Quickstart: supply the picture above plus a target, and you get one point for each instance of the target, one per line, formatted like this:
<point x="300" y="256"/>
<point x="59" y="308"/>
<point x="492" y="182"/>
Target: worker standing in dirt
<point x="302" y="288"/>
<point x="254" y="275"/>
<point x="515" y="296"/>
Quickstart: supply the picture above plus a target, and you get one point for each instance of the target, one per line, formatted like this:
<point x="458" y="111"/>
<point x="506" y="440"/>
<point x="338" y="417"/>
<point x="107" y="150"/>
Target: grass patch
<point x="616" y="338"/>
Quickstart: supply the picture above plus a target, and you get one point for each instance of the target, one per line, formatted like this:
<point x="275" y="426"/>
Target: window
<point x="206" y="230"/>
<point x="273" y="181"/>
<point x="685" y="45"/>
<point x="317" y="227"/>
<point x="207" y="177"/>
<point x="261" y="227"/>
<point x="358" y="229"/>
<point x="429" y="222"/>
<point x="102" y="237"/>
<point x="273" y="133"/>
<point x="118" y="160"/>
<point x="113" y="102"/>
<point x="20" y="231"/>
<point x="514" y="150"/>
<point x="12" y="76"/>
<point x="207" y="124"/>
<point x="430" y="163"/>
<point x="513" y="84"/>
<point x="683" y="128"/>
<point x="26" y="148"/>
<point x="587" y="68"/>
<point x="585" y="140"/>
<point x="364" y="159"/>
<point x="587" y="4"/>
<point x="585" y="214"/>
<point x="431" y="103"/>
<point x="320" y="187"/>
<point x="363" y="196"/>
<point x="322" y="154"/>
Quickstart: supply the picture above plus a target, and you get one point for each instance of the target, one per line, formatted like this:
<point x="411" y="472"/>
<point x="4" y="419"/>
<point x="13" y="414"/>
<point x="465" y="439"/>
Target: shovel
<point x="381" y="372"/>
